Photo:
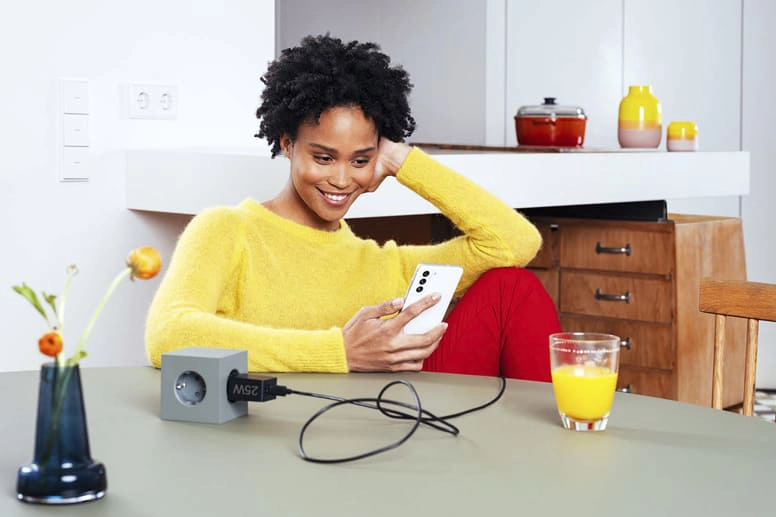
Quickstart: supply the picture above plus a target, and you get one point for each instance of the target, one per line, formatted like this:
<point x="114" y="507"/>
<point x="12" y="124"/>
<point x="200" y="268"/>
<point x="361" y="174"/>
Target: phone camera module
<point x="419" y="289"/>
<point x="425" y="273"/>
<point x="422" y="281"/>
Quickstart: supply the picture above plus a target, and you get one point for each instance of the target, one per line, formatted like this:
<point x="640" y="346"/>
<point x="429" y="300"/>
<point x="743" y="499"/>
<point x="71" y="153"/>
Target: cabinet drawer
<point x="644" y="344"/>
<point x="649" y="299"/>
<point x="646" y="382"/>
<point x="549" y="253"/>
<point x="550" y="278"/>
<point x="616" y="249"/>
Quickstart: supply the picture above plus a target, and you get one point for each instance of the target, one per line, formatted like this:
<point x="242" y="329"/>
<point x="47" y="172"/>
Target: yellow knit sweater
<point x="245" y="278"/>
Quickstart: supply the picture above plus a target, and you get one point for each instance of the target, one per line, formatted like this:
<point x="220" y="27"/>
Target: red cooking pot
<point x="551" y="125"/>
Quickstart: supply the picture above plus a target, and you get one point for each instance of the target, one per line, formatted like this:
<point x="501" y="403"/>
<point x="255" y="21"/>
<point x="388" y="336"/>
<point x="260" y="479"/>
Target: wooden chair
<point x="753" y="301"/>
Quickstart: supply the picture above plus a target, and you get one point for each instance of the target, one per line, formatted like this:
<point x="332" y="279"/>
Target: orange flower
<point x="145" y="262"/>
<point x="50" y="344"/>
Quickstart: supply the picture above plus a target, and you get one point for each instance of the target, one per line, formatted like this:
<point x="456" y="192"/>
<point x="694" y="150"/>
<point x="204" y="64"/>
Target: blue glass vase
<point x="62" y="471"/>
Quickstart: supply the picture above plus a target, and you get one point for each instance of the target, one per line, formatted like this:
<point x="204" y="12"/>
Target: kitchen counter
<point x="185" y="181"/>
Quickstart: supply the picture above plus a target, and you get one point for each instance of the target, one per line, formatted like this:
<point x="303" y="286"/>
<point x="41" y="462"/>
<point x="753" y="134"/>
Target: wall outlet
<point x="152" y="101"/>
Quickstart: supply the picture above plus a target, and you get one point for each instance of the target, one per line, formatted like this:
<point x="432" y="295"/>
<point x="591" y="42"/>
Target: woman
<point x="288" y="281"/>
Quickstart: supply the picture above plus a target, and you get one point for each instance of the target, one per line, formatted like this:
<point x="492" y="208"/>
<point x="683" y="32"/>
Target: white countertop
<point x="185" y="181"/>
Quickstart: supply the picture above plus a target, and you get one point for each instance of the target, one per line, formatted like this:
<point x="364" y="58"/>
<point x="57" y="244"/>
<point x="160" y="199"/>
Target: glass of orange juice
<point x="584" y="377"/>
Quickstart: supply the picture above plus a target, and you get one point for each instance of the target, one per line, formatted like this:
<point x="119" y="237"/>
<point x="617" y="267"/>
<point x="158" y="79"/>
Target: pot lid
<point x="550" y="109"/>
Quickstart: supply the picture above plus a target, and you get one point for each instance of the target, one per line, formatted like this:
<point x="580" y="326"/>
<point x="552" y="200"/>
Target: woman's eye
<point x="323" y="158"/>
<point x="360" y="162"/>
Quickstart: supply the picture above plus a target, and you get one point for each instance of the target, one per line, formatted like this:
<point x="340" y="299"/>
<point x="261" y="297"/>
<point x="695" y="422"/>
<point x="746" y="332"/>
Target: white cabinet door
<point x="690" y="52"/>
<point x="570" y="50"/>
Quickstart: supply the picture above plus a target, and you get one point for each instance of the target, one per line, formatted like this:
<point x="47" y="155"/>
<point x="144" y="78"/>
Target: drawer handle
<point x="628" y="388"/>
<point x="615" y="251"/>
<point x="626" y="343"/>
<point x="612" y="297"/>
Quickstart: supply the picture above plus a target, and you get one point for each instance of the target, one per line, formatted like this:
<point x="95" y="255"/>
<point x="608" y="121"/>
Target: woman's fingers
<point x="412" y="359"/>
<point x="409" y="366"/>
<point x="382" y="309"/>
<point x="413" y="310"/>
<point x="392" y="306"/>
<point x="374" y="311"/>
<point x="420" y="341"/>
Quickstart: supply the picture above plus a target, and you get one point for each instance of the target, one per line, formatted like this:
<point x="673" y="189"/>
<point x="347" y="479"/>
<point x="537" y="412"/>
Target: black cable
<point x="418" y="416"/>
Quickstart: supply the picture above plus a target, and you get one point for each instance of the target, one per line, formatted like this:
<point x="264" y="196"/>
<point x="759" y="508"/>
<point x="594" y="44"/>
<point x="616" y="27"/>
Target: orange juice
<point x="584" y="392"/>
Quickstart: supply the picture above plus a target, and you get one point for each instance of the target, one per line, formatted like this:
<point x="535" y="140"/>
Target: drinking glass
<point x="584" y="377"/>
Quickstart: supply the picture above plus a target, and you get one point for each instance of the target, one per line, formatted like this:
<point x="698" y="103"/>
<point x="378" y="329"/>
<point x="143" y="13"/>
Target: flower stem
<point x="72" y="270"/>
<point x="59" y="389"/>
<point x="60" y="314"/>
<point x="78" y="350"/>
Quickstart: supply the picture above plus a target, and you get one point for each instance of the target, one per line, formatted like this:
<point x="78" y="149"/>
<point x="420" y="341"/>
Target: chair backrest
<point x="753" y="301"/>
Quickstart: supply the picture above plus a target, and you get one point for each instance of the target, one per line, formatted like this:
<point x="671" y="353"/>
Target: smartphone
<point x="428" y="279"/>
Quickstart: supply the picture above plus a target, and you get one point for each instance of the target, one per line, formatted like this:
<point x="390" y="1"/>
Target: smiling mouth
<point x="335" y="199"/>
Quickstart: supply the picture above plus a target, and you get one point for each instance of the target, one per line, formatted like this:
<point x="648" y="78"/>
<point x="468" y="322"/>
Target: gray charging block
<point x="194" y="384"/>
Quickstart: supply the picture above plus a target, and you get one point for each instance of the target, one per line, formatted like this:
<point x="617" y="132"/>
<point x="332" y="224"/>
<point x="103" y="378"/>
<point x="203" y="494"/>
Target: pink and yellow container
<point x="682" y="136"/>
<point x="640" y="121"/>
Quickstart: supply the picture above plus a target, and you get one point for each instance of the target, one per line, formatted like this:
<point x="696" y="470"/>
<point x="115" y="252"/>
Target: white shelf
<point x="187" y="181"/>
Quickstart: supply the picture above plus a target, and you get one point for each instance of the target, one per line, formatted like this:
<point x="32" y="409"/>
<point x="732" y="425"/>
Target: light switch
<point x="75" y="96"/>
<point x="75" y="164"/>
<point x="75" y="130"/>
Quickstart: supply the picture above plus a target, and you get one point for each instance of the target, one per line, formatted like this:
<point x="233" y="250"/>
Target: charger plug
<point x="253" y="387"/>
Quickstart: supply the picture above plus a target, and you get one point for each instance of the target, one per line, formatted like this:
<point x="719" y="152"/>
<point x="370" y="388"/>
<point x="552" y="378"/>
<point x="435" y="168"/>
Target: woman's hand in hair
<point x="376" y="343"/>
<point x="390" y="156"/>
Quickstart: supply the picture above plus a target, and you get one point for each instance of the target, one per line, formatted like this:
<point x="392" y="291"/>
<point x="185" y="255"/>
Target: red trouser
<point x="499" y="327"/>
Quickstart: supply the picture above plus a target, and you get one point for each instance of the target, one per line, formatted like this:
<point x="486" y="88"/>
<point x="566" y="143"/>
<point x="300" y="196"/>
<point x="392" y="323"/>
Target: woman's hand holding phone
<point x="406" y="340"/>
<point x="376" y="344"/>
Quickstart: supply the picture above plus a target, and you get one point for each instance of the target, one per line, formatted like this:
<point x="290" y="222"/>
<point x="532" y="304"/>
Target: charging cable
<point x="262" y="388"/>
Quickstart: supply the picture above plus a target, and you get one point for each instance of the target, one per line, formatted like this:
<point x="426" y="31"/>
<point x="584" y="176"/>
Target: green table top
<point x="658" y="457"/>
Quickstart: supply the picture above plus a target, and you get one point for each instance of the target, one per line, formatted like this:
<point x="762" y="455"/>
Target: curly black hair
<point x="322" y="73"/>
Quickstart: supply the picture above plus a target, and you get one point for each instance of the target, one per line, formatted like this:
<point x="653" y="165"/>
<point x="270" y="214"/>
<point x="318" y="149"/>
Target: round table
<point x="658" y="457"/>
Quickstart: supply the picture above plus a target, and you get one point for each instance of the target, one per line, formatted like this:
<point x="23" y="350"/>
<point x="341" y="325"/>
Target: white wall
<point x="441" y="45"/>
<point x="667" y="44"/>
<point x="759" y="207"/>
<point x="214" y="52"/>
<point x="570" y="50"/>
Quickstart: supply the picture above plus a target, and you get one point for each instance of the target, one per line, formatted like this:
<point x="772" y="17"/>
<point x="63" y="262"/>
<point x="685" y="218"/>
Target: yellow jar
<point x="682" y="136"/>
<point x="640" y="121"/>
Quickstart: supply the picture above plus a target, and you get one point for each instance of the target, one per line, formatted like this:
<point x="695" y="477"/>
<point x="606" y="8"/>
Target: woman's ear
<point x="286" y="145"/>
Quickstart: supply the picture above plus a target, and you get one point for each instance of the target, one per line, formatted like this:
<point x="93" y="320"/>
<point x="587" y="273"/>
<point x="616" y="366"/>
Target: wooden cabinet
<point x="640" y="281"/>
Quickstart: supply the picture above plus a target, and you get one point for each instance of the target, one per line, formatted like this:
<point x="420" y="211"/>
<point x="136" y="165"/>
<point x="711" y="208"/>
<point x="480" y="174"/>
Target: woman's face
<point x="332" y="163"/>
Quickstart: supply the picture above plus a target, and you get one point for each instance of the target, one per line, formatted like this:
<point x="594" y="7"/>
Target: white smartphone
<point x="428" y="279"/>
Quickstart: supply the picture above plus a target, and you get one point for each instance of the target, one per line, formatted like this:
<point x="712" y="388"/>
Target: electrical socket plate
<point x="152" y="101"/>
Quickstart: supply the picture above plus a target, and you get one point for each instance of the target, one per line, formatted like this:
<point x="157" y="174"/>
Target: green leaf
<point x="51" y="301"/>
<point x="76" y="357"/>
<point x="28" y="293"/>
